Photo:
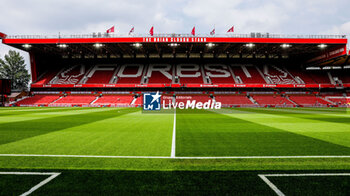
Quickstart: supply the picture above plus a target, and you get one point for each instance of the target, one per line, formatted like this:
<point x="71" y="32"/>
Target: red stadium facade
<point x="237" y="70"/>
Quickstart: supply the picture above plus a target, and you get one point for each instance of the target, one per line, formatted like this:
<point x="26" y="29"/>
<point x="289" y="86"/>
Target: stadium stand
<point x="272" y="100"/>
<point x="159" y="74"/>
<point x="198" y="98"/>
<point x="189" y="74"/>
<point x="130" y="74"/>
<point x="218" y="74"/>
<point x="248" y="74"/>
<point x="47" y="77"/>
<point x="99" y="75"/>
<point x="319" y="77"/>
<point x="277" y="75"/>
<point x="233" y="100"/>
<point x="340" y="100"/>
<point x="114" y="100"/>
<point x="305" y="78"/>
<point x="38" y="100"/>
<point x="70" y="75"/>
<point x="342" y="76"/>
<point x="260" y="74"/>
<point x="76" y="99"/>
<point x="309" y="100"/>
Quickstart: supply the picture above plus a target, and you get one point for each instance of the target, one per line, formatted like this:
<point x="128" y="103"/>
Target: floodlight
<point x="98" y="45"/>
<point x="250" y="45"/>
<point x="286" y="45"/>
<point x="322" y="46"/>
<point x="210" y="45"/>
<point x="137" y="45"/>
<point x="62" y="45"/>
<point x="27" y="46"/>
<point x="173" y="44"/>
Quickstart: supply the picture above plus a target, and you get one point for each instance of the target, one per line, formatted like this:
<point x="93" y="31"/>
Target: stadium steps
<point x="25" y="97"/>
<point x="204" y="77"/>
<point x="278" y="69"/>
<point x="134" y="100"/>
<point x="263" y="76"/>
<point x="144" y="73"/>
<point x="233" y="75"/>
<point x="94" y="100"/>
<point x="55" y="78"/>
<point x="330" y="78"/>
<point x="327" y="100"/>
<point x="253" y="100"/>
<point x="287" y="97"/>
<point x="297" y="79"/>
<point x="41" y="76"/>
<point x="57" y="99"/>
<point x="84" y="79"/>
<point x="114" y="78"/>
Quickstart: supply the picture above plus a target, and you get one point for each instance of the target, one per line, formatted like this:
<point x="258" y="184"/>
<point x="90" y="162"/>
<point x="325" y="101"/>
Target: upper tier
<point x="188" y="75"/>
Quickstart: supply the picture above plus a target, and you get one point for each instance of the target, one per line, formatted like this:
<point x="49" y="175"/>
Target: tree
<point x="13" y="67"/>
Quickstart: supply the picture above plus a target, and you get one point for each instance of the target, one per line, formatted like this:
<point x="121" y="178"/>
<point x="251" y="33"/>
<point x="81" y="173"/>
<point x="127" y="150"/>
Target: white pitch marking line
<point x="173" y="143"/>
<point x="85" y="156"/>
<point x="265" y="157"/>
<point x="310" y="174"/>
<point x="271" y="185"/>
<point x="169" y="157"/>
<point x="34" y="188"/>
<point x="279" y="192"/>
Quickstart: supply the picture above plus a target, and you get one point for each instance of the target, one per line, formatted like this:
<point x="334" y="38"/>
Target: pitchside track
<point x="262" y="151"/>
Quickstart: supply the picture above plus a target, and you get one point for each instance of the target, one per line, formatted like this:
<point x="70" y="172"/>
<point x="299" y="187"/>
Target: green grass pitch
<point x="124" y="151"/>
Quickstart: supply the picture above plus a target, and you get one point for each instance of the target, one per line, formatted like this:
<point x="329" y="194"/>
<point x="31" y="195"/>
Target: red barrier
<point x="186" y="85"/>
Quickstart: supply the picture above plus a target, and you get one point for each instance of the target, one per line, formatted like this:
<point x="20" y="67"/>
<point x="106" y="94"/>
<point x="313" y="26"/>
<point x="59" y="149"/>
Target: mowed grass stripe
<point x="46" y="113"/>
<point x="14" y="131"/>
<point x="126" y="132"/>
<point x="212" y="134"/>
<point x="37" y="110"/>
<point x="333" y="117"/>
<point x="15" y="111"/>
<point x="304" y="124"/>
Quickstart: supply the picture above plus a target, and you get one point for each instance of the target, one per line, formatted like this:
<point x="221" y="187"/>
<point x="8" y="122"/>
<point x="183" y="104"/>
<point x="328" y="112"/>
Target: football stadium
<point x="173" y="114"/>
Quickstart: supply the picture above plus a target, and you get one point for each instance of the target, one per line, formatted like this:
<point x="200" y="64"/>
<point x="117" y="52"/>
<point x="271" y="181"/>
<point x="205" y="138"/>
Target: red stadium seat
<point x="309" y="100"/>
<point x="114" y="99"/>
<point x="76" y="99"/>
<point x="38" y="100"/>
<point x="272" y="100"/>
<point x="229" y="100"/>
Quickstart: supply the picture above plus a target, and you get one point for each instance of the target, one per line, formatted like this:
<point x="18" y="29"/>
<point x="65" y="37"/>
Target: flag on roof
<point x="110" y="30"/>
<point x="193" y="32"/>
<point x="231" y="30"/>
<point x="151" y="31"/>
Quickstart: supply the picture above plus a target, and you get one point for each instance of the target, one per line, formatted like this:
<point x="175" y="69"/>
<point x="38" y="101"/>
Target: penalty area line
<point x="170" y="157"/>
<point x="40" y="184"/>
<point x="279" y="192"/>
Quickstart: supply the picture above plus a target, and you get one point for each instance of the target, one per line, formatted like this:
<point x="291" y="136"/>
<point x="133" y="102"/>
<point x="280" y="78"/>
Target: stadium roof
<point x="166" y="45"/>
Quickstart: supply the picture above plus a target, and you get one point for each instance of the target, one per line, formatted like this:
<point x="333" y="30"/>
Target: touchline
<point x="191" y="105"/>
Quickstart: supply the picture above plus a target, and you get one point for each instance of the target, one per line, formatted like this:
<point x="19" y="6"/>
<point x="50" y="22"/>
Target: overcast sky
<point x="27" y="17"/>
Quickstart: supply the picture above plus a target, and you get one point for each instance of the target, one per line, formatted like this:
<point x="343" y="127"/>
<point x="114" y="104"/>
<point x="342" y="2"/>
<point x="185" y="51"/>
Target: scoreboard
<point x="5" y="87"/>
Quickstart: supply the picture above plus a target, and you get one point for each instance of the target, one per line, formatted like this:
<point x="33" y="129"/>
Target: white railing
<point x="112" y="35"/>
